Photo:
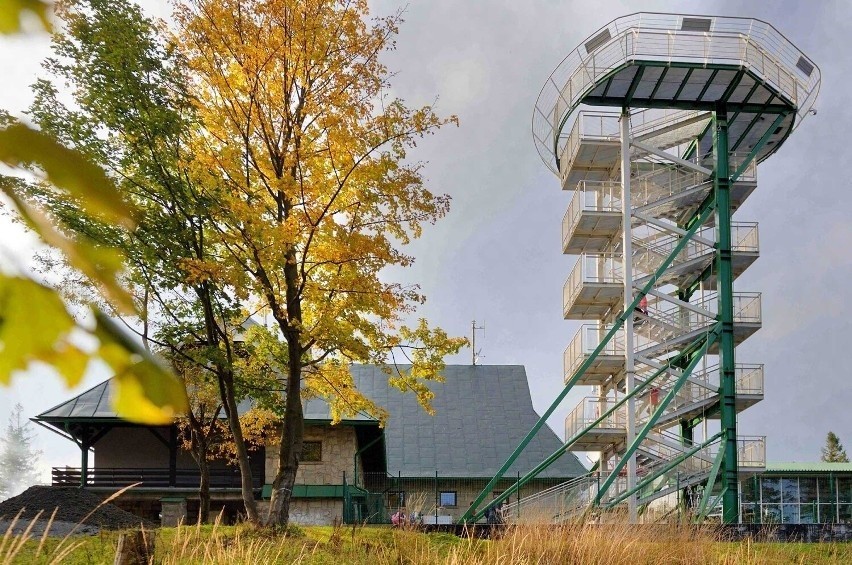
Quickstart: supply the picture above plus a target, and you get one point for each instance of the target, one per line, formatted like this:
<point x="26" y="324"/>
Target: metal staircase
<point x="674" y="271"/>
<point x="698" y="101"/>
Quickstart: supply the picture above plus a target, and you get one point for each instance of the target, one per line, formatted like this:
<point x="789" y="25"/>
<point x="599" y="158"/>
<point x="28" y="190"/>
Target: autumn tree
<point x="833" y="451"/>
<point x="18" y="457"/>
<point x="305" y="155"/>
<point x="144" y="390"/>
<point x="132" y="115"/>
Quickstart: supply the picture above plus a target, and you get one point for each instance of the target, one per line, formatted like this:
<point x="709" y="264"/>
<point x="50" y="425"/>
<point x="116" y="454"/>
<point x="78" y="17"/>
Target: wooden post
<point x="134" y="548"/>
<point x="173" y="448"/>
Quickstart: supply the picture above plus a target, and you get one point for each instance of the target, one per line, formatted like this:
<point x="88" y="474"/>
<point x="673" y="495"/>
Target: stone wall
<point x="420" y="495"/>
<point x="311" y="511"/>
<point x="173" y="512"/>
<point x="338" y="451"/>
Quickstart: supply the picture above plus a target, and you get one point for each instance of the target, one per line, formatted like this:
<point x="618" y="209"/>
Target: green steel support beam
<point x="606" y="88"/>
<point x="727" y="370"/>
<point x="683" y="83"/>
<point x="710" y="338"/>
<point x="618" y="101"/>
<point x="757" y="147"/>
<point x="659" y="82"/>
<point x="707" y="84"/>
<point x="711" y="482"/>
<point x="628" y="311"/>
<point x="665" y="469"/>
<point x="567" y="445"/>
<point x="632" y="89"/>
<point x="733" y="86"/>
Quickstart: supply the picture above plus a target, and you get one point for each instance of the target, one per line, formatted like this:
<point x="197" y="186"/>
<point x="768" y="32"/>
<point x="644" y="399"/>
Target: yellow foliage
<point x="305" y="153"/>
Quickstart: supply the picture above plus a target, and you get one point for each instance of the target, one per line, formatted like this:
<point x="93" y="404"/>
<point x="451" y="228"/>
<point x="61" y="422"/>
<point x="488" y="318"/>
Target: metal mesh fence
<point x="429" y="499"/>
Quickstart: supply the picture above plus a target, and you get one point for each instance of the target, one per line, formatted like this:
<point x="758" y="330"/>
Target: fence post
<point x="518" y="492"/>
<point x="437" y="497"/>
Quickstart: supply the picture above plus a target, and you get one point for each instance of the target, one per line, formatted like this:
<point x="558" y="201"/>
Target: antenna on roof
<point x="473" y="352"/>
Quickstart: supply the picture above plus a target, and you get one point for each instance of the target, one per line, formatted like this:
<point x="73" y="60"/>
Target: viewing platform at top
<point x="677" y="62"/>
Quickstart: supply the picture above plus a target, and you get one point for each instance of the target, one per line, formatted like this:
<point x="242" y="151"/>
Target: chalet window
<point x="312" y="452"/>
<point x="448" y="498"/>
<point x="396" y="499"/>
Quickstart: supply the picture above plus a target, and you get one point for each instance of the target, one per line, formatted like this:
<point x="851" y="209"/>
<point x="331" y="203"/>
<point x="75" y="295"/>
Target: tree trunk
<point x="200" y="447"/>
<point x="247" y="485"/>
<point x="204" y="491"/>
<point x="290" y="449"/>
<point x="227" y="394"/>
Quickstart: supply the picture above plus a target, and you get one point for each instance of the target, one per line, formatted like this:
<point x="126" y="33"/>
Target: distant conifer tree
<point x="833" y="451"/>
<point x="18" y="458"/>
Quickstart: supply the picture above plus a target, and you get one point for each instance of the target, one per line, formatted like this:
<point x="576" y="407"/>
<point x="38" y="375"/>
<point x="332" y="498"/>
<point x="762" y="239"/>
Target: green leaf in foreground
<point x="145" y="391"/>
<point x="99" y="263"/>
<point x="35" y="327"/>
<point x="11" y="11"/>
<point x="22" y="146"/>
<point x="33" y="322"/>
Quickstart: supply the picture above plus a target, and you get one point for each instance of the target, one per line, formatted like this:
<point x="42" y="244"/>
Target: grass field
<point x="381" y="545"/>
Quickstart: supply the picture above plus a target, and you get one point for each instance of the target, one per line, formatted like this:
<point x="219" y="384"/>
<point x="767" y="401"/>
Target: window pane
<point x="749" y="491"/>
<point x="827" y="514"/>
<point x="312" y="451"/>
<point x="396" y="499"/>
<point x="749" y="511"/>
<point x="845" y="511"/>
<point x="807" y="490"/>
<point x="824" y="490"/>
<point x="771" y="490"/>
<point x="791" y="513"/>
<point x="448" y="499"/>
<point x="771" y="514"/>
<point x="807" y="514"/>
<point x="790" y="491"/>
<point x="844" y="490"/>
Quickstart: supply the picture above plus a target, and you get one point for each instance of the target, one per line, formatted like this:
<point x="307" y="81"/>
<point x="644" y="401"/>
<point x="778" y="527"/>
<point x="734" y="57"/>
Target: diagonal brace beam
<point x="628" y="311"/>
<point x="672" y="158"/>
<point x="672" y="228"/>
<point x="676" y="373"/>
<point x="711" y="481"/>
<point x="682" y="304"/>
<point x="571" y="441"/>
<point x="665" y="469"/>
<point x="757" y="147"/>
<point x="711" y="337"/>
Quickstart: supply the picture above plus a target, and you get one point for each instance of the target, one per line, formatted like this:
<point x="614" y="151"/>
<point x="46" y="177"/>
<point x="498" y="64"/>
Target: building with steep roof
<point x="354" y="470"/>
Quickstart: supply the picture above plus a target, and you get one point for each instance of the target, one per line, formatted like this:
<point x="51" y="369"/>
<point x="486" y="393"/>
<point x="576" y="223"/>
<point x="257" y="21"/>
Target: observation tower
<point x="656" y="123"/>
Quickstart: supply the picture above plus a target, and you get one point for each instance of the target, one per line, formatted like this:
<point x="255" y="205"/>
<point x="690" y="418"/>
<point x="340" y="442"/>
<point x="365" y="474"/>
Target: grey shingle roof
<point x="481" y="414"/>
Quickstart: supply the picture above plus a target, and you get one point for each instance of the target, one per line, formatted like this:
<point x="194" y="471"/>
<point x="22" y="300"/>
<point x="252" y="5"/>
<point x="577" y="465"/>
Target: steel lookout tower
<point x="656" y="123"/>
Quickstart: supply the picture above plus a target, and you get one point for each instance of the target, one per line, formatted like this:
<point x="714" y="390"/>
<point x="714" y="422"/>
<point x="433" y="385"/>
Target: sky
<point x="496" y="258"/>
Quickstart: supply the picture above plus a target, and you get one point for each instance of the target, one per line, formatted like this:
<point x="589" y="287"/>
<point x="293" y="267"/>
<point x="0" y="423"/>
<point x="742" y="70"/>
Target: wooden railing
<point x="151" y="477"/>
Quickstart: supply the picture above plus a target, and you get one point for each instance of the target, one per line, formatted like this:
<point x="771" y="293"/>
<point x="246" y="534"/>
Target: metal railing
<point x="118" y="477"/>
<point x="751" y="452"/>
<point x="590" y="196"/>
<point x="602" y="268"/>
<point x="590" y="409"/>
<point x="587" y="338"/>
<point x="659" y="37"/>
<point x="594" y="268"/>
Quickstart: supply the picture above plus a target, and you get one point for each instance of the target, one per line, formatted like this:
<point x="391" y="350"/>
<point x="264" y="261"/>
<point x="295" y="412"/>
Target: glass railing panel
<point x="751" y="451"/>
<point x="749" y="379"/>
<point x="591" y="268"/>
<point x="592" y="196"/>
<point x="588" y="411"/>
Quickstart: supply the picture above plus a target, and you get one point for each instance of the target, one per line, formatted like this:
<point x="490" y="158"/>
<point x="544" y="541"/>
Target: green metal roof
<point x="817" y="467"/>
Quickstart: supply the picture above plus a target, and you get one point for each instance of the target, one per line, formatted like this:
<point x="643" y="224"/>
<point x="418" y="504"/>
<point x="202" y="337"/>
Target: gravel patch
<point x="73" y="505"/>
<point x="58" y="529"/>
